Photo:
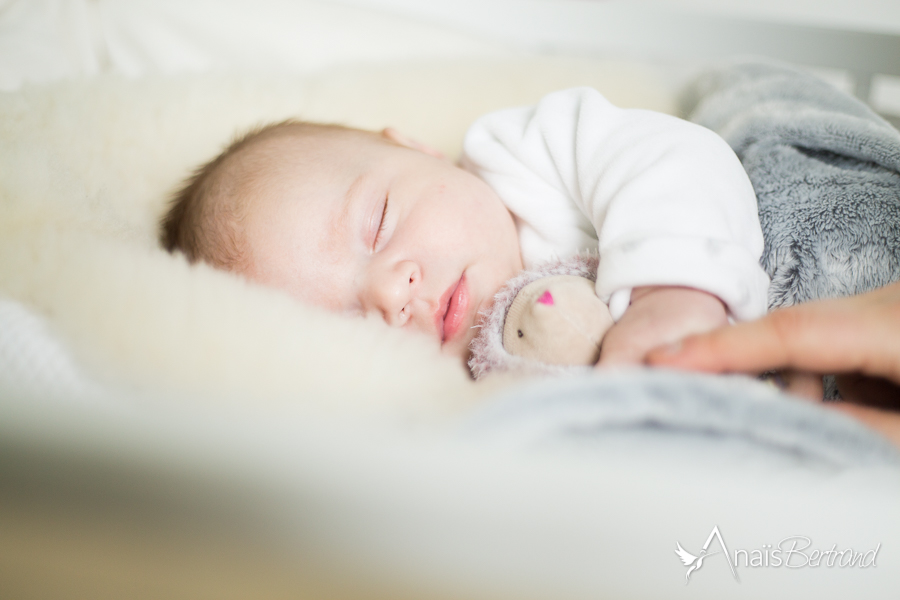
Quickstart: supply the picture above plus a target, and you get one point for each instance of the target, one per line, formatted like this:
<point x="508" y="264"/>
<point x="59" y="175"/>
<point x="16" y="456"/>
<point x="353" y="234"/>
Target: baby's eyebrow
<point x="349" y="214"/>
<point x="353" y="191"/>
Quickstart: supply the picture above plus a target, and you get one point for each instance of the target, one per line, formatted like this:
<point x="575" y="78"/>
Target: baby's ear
<point x="398" y="138"/>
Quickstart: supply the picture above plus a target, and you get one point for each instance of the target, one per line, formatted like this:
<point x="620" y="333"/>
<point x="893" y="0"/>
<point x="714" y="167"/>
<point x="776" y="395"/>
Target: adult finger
<point x="781" y="339"/>
<point x="850" y="334"/>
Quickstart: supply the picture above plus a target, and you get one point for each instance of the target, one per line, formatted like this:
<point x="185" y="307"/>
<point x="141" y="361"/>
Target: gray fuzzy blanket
<point x="826" y="170"/>
<point x="654" y="414"/>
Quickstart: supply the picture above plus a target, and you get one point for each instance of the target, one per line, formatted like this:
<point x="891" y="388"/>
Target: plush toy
<point x="546" y="319"/>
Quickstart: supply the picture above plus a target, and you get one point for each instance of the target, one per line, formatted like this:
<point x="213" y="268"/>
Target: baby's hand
<point x="659" y="315"/>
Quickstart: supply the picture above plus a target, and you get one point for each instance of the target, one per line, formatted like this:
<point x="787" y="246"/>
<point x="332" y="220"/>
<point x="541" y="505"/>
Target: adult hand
<point x="659" y="315"/>
<point x="858" y="337"/>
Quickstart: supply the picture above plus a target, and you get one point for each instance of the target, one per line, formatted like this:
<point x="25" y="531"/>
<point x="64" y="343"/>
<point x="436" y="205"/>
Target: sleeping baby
<point x="375" y="224"/>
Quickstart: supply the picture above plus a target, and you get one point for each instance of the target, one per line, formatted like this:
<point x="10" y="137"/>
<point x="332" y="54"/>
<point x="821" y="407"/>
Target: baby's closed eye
<point x="382" y="225"/>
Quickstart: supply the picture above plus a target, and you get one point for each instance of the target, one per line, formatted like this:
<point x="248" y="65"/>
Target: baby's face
<point x="358" y="224"/>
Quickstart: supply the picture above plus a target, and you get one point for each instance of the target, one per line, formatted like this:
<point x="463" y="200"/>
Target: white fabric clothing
<point x="665" y="201"/>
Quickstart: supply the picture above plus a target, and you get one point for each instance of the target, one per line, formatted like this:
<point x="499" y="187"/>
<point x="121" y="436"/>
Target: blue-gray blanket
<point x="826" y="170"/>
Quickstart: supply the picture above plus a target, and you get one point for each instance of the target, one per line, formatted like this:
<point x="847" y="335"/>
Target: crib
<point x="168" y="430"/>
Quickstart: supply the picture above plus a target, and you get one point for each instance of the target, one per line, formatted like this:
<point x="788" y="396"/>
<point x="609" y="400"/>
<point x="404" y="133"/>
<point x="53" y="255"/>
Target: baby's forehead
<point x="267" y="161"/>
<point x="281" y="150"/>
<point x="292" y="167"/>
<point x="312" y="154"/>
<point x="293" y="194"/>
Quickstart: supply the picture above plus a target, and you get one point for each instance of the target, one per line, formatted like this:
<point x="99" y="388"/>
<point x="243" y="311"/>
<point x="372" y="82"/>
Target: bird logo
<point x="692" y="562"/>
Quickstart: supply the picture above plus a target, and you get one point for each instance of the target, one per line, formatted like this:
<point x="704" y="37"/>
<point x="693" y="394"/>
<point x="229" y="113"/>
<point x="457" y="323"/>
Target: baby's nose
<point x="391" y="292"/>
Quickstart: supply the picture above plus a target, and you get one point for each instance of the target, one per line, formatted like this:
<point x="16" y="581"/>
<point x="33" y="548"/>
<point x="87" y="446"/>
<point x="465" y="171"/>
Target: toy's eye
<point x="521" y="334"/>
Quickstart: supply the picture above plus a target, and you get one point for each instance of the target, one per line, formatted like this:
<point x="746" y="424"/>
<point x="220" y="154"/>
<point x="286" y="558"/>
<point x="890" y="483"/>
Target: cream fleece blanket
<point x="86" y="168"/>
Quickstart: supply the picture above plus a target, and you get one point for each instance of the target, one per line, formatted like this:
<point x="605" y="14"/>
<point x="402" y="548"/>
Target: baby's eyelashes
<point x="382" y="224"/>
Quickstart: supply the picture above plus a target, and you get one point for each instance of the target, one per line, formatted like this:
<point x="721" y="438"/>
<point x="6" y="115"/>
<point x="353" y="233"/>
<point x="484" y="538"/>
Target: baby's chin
<point x="462" y="353"/>
<point x="459" y="350"/>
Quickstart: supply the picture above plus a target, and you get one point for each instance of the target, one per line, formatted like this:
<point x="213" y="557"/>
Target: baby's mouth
<point x="456" y="303"/>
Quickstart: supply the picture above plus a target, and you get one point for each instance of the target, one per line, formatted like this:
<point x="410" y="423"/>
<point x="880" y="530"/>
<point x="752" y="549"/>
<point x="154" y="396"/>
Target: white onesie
<point x="665" y="201"/>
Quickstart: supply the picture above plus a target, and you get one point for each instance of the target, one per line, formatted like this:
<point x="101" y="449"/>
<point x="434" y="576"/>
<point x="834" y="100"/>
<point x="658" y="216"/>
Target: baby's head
<point x="355" y="221"/>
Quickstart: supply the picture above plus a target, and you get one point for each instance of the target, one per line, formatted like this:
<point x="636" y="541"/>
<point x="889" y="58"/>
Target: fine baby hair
<point x="202" y="220"/>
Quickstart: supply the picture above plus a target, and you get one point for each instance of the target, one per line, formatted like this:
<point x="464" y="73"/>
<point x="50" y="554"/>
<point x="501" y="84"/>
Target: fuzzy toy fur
<point x="488" y="353"/>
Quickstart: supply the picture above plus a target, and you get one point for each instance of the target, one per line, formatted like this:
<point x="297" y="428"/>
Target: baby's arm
<point x="669" y="202"/>
<point x="660" y="315"/>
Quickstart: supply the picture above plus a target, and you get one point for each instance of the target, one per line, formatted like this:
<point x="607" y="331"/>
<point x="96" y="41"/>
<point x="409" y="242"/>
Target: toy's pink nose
<point x="546" y="298"/>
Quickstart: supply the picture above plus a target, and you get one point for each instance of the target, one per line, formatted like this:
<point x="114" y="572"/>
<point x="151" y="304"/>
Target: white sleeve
<point x="668" y="200"/>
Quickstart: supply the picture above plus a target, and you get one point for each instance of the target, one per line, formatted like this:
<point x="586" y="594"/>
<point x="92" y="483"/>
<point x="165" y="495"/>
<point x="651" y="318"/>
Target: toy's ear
<point x="398" y="138"/>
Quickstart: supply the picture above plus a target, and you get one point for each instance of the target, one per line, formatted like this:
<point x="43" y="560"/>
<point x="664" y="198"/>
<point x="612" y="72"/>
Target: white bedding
<point x="136" y="384"/>
<point x="87" y="169"/>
